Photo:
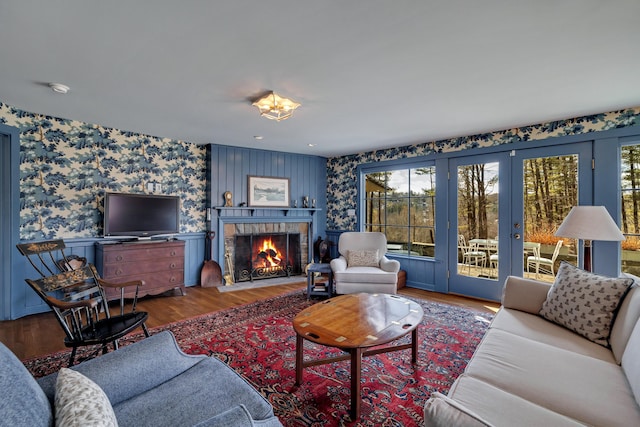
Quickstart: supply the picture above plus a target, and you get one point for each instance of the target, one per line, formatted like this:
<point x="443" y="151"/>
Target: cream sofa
<point x="363" y="266"/>
<point x="529" y="371"/>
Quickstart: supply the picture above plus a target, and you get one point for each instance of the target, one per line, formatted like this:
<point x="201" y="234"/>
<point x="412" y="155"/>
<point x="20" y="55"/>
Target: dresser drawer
<point x="114" y="256"/>
<point x="124" y="269"/>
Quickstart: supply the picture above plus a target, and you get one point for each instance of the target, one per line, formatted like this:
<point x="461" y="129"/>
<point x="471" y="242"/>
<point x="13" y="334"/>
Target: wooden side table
<point x="315" y="290"/>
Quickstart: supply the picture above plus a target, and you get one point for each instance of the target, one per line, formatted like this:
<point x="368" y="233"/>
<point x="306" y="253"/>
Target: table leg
<point x="414" y="345"/>
<point x="356" y="371"/>
<point x="299" y="358"/>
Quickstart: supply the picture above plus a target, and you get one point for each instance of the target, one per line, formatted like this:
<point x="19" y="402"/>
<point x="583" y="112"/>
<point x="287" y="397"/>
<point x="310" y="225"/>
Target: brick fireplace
<point x="265" y="250"/>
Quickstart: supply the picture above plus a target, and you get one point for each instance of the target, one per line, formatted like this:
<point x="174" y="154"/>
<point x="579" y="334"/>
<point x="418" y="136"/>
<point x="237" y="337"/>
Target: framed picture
<point x="266" y="191"/>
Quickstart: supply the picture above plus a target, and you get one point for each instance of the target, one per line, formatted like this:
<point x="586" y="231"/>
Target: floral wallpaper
<point x="66" y="166"/>
<point x="342" y="193"/>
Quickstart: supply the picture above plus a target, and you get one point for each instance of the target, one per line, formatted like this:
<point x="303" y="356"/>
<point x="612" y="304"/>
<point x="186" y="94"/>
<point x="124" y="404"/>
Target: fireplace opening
<point x="265" y="256"/>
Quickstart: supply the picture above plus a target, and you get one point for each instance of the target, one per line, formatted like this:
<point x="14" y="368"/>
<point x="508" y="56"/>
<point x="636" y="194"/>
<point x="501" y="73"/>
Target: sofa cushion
<point x="133" y="369"/>
<point x="539" y="329"/>
<point x="440" y="411"/>
<point x="580" y="387"/>
<point x="80" y="402"/>
<point x="584" y="302"/>
<point x="198" y="394"/>
<point x="363" y="258"/>
<point x="501" y="408"/>
<point x="23" y="403"/>
<point x="631" y="362"/>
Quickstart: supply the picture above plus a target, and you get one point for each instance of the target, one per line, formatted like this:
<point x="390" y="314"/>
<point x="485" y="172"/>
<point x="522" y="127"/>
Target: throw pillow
<point x="363" y="258"/>
<point x="441" y="411"/>
<point x="81" y="402"/>
<point x="584" y="302"/>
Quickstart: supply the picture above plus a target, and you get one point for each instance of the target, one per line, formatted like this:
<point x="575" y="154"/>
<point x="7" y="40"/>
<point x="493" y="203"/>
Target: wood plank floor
<point x="40" y="334"/>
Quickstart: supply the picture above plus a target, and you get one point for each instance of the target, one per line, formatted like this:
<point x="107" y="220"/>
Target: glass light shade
<point x="590" y="223"/>
<point x="274" y="107"/>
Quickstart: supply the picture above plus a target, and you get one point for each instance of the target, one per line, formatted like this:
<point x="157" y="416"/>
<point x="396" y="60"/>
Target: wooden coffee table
<point x="354" y="323"/>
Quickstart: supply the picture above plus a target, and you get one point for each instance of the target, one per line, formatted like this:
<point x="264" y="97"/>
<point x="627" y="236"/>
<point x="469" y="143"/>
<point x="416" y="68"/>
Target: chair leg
<point x="146" y="331"/>
<point x="73" y="356"/>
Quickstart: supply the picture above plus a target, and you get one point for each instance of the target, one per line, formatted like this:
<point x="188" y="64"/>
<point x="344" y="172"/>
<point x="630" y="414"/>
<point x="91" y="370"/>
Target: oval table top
<point x="358" y="320"/>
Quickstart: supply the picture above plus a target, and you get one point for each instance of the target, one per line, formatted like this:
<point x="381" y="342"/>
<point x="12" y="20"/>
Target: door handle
<point x="516" y="236"/>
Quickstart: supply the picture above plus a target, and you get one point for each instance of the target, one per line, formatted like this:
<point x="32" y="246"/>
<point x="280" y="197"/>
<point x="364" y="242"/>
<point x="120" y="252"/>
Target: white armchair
<point x="363" y="266"/>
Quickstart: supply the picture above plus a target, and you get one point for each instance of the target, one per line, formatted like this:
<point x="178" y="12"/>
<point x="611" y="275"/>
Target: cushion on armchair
<point x="363" y="258"/>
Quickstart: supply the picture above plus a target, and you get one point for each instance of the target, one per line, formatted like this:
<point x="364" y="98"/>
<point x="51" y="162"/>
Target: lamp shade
<point x="590" y="223"/>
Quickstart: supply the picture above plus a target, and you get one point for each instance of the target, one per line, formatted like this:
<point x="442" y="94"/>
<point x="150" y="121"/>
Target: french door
<point x="504" y="210"/>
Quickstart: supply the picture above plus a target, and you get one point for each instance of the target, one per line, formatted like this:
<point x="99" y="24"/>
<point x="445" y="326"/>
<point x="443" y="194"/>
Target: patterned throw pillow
<point x="81" y="402"/>
<point x="584" y="302"/>
<point x="363" y="259"/>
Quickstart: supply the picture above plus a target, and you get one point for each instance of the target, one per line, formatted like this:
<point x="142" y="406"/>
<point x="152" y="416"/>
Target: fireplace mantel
<point x="226" y="210"/>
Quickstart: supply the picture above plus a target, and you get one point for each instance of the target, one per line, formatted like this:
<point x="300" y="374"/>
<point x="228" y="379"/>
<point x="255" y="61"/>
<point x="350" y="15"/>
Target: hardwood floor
<point x="40" y="334"/>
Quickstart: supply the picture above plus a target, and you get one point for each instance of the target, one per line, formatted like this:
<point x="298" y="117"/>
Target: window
<point x="401" y="204"/>
<point x="630" y="207"/>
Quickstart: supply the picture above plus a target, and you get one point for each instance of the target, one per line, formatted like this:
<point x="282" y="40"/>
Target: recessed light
<point x="311" y="145"/>
<point x="59" y="88"/>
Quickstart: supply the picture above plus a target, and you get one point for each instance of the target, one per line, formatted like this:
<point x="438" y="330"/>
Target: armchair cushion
<point x="363" y="258"/>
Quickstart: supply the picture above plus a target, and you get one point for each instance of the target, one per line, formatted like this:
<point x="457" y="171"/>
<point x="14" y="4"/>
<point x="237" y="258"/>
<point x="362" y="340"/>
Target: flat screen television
<point x="140" y="215"/>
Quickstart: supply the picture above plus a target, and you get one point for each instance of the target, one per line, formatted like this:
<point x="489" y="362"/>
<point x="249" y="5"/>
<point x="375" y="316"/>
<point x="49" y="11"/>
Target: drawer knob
<point x="173" y="253"/>
<point x="118" y="272"/>
<point x="119" y="258"/>
<point x="172" y="279"/>
<point x="172" y="265"/>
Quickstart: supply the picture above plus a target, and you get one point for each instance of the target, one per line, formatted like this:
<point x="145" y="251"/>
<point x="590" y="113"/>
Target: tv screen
<point x="140" y="215"/>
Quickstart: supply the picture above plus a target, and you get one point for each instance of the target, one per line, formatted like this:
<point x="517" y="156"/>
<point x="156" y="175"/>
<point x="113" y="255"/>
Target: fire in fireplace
<point x="264" y="256"/>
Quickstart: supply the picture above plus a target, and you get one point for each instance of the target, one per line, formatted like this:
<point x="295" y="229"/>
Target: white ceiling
<point x="369" y="74"/>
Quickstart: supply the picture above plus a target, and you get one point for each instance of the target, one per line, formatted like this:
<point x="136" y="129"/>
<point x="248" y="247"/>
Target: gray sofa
<point x="149" y="383"/>
<point x="529" y="371"/>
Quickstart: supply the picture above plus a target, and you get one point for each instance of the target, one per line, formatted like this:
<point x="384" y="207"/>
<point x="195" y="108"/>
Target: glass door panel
<point x="552" y="180"/>
<point x="476" y="193"/>
<point x="630" y="207"/>
<point x="550" y="190"/>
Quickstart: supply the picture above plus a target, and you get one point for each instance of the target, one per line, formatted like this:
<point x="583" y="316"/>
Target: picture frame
<point x="268" y="191"/>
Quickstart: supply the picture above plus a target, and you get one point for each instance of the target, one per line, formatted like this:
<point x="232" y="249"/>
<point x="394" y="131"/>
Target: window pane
<point x="630" y="208"/>
<point x="401" y="204"/>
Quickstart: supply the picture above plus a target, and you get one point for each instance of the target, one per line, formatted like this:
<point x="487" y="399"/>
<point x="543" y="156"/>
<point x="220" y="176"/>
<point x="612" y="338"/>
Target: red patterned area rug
<point x="258" y="341"/>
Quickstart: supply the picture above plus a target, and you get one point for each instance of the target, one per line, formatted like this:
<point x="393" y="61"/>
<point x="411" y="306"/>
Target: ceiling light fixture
<point x="59" y="88"/>
<point x="274" y="107"/>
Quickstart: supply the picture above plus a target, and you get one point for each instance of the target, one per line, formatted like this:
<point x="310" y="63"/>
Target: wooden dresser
<point x="160" y="264"/>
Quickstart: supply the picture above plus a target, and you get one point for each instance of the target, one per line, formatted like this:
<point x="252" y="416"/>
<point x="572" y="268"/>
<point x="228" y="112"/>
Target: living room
<point x="57" y="165"/>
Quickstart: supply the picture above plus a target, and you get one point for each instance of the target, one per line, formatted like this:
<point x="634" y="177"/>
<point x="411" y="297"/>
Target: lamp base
<point x="587" y="258"/>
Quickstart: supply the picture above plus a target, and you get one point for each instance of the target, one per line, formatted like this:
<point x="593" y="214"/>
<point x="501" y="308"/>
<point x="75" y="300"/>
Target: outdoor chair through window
<point x="546" y="265"/>
<point x="75" y="293"/>
<point x="471" y="254"/>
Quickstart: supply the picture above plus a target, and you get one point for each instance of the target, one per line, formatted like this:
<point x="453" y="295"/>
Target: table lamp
<point x="589" y="223"/>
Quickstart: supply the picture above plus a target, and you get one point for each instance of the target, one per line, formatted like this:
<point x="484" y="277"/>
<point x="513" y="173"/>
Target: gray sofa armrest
<point x="524" y="294"/>
<point x="390" y="265"/>
<point x="132" y="369"/>
<point x="339" y="264"/>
